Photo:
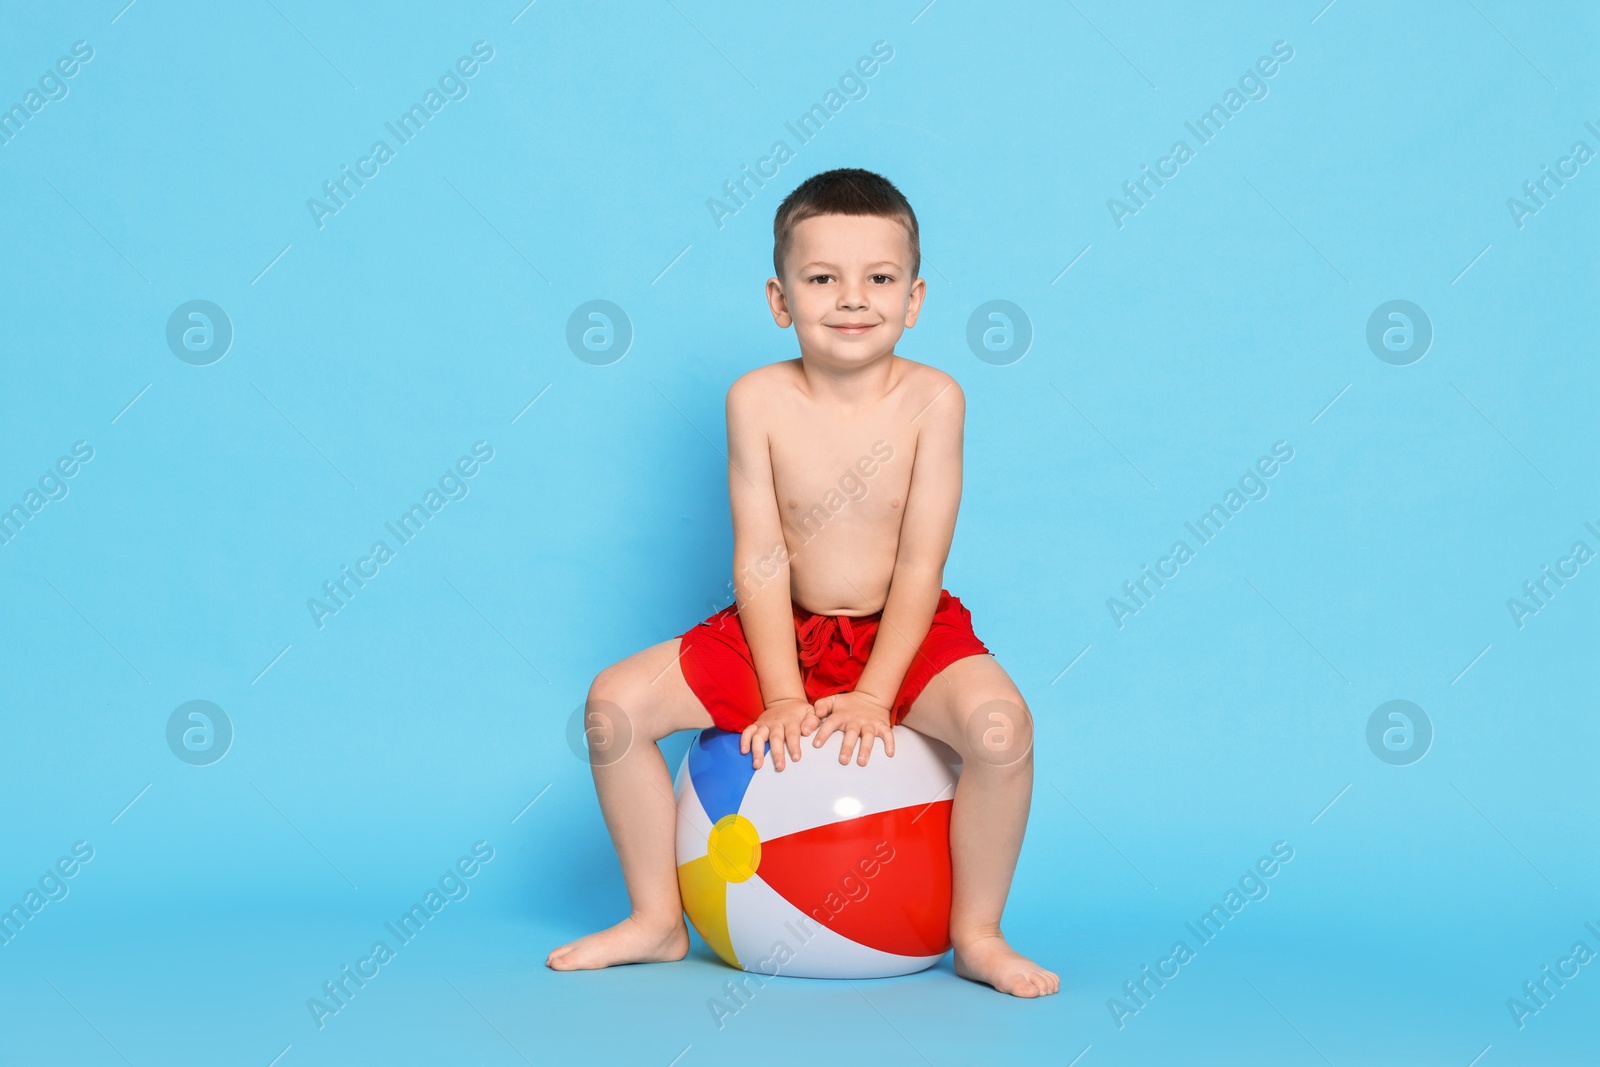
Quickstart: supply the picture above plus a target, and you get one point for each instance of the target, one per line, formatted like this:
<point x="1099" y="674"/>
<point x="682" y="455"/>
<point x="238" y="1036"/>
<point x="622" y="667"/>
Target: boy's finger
<point x="792" y="737"/>
<point x="744" y="738"/>
<point x="809" y="723"/>
<point x="823" y="732"/>
<point x="757" y="742"/>
<point x="775" y="743"/>
<point x="888" y="741"/>
<point x="851" y="733"/>
<point x="867" y="737"/>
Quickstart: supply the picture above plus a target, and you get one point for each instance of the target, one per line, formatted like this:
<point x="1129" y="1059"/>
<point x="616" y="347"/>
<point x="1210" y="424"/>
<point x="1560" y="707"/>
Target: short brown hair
<point x="846" y="191"/>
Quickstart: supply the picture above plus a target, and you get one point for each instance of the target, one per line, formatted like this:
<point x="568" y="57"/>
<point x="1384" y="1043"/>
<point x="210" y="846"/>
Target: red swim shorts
<point x="832" y="650"/>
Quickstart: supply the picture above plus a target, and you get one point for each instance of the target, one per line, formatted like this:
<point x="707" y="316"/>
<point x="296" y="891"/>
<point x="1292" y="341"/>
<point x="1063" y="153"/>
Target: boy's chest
<point x="862" y="464"/>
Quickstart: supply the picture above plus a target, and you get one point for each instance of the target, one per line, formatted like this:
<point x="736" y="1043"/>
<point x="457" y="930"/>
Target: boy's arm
<point x="926" y="530"/>
<point x="761" y="581"/>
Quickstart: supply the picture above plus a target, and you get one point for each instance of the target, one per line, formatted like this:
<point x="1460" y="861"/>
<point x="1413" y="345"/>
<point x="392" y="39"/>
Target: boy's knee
<point x="610" y="722"/>
<point x="998" y="731"/>
<point x="611" y="684"/>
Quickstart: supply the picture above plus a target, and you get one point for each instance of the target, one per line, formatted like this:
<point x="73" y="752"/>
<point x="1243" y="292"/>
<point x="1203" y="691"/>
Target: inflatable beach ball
<point x="821" y="870"/>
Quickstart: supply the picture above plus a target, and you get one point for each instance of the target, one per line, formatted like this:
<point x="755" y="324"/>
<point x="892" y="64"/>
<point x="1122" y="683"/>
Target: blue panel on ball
<point x="720" y="772"/>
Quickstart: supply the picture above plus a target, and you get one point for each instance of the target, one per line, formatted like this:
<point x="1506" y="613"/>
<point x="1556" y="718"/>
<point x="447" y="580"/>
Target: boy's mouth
<point x="851" y="328"/>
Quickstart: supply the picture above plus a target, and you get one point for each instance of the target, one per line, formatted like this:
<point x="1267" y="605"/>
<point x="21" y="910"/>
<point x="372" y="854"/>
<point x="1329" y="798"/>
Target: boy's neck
<point x="852" y="383"/>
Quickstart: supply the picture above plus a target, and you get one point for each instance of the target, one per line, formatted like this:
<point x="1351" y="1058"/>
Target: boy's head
<point x="846" y="191"/>
<point x="847" y="255"/>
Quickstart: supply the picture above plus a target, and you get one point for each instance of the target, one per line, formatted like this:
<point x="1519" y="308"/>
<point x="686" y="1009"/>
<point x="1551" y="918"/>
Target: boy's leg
<point x="973" y="706"/>
<point x="632" y="705"/>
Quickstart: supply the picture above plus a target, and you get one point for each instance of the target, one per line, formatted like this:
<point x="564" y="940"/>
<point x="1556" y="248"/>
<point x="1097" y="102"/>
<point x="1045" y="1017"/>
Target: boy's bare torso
<point x="842" y="474"/>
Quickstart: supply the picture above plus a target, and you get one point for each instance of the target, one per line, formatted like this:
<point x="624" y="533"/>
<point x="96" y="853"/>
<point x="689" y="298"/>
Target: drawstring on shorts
<point x="816" y="633"/>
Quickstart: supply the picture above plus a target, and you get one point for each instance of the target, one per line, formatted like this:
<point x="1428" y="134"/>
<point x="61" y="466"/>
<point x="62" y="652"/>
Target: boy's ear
<point x="778" y="303"/>
<point x="919" y="289"/>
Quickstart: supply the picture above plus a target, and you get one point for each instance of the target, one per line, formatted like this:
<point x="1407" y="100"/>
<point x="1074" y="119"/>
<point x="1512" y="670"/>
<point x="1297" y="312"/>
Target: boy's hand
<point x="782" y="724"/>
<point x="861" y="718"/>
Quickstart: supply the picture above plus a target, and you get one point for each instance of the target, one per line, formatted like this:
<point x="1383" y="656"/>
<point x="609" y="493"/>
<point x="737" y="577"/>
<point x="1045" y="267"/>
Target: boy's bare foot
<point x="630" y="941"/>
<point x="989" y="959"/>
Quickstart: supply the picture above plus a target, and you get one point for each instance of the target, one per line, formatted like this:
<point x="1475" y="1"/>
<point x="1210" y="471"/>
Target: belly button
<point x="794" y="503"/>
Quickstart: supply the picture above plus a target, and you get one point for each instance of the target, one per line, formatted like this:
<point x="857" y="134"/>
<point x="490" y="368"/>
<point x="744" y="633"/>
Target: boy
<point x="840" y="624"/>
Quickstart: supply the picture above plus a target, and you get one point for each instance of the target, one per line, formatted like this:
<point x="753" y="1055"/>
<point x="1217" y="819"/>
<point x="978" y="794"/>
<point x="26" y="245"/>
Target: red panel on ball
<point x="837" y="873"/>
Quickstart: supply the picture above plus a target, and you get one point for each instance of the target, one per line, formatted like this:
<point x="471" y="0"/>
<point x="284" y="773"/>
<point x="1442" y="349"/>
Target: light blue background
<point x="368" y="355"/>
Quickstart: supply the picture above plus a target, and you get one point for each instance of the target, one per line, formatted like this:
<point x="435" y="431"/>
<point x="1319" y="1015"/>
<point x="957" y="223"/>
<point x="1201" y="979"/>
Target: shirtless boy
<point x="841" y="626"/>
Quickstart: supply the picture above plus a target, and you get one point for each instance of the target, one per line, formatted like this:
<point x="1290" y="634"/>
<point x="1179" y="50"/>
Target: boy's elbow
<point x="764" y="562"/>
<point x="924" y="568"/>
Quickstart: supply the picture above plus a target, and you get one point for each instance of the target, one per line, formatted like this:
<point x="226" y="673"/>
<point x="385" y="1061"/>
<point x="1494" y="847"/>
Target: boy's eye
<point x="880" y="279"/>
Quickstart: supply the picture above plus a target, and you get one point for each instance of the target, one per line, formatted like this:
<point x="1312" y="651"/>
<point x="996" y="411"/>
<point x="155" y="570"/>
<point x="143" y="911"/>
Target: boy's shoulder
<point x="764" y="380"/>
<point x="925" y="384"/>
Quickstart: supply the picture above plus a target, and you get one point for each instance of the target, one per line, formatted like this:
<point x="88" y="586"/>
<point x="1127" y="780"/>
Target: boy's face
<point x="847" y="288"/>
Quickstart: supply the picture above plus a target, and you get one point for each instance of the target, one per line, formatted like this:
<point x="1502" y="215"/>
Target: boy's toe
<point x="1018" y="985"/>
<point x="566" y="958"/>
<point x="1033" y="984"/>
